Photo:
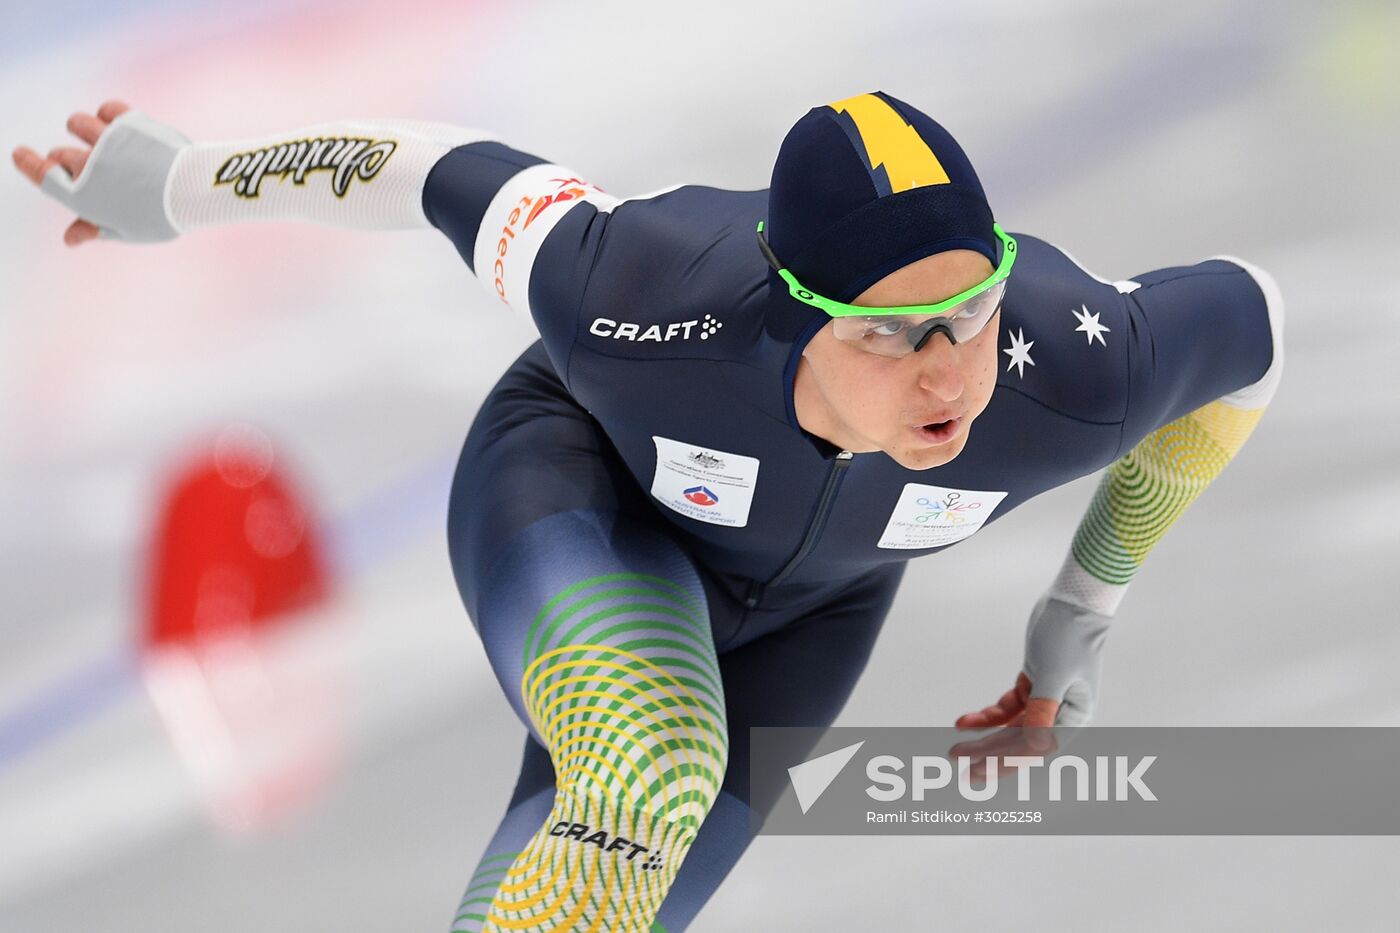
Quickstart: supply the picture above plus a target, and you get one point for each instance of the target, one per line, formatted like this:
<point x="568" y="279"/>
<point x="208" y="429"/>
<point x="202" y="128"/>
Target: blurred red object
<point x="233" y="549"/>
<point x="240" y="652"/>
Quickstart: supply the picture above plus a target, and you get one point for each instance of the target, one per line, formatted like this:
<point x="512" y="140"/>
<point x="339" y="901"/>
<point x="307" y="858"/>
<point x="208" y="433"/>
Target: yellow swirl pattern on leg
<point x="622" y="684"/>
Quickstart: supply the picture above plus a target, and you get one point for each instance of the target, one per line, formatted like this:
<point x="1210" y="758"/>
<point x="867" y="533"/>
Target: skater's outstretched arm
<point x="139" y="180"/>
<point x="142" y="181"/>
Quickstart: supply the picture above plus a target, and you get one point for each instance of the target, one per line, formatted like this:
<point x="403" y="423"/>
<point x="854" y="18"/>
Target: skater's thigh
<point x="801" y="673"/>
<point x="532" y="452"/>
<point x="554" y="545"/>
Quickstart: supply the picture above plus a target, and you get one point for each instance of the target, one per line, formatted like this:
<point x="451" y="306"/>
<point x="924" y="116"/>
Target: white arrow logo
<point x="811" y="778"/>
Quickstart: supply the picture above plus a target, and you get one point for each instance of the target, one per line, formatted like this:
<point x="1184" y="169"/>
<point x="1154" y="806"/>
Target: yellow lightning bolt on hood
<point x="893" y="143"/>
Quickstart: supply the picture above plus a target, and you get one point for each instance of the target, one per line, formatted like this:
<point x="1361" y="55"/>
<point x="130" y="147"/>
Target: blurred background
<point x="292" y="726"/>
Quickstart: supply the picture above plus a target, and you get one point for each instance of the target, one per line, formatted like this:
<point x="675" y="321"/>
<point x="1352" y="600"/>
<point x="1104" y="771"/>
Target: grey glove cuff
<point x="122" y="187"/>
<point x="1064" y="656"/>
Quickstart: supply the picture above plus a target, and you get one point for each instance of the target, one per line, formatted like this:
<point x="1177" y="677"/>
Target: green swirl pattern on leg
<point x="622" y="683"/>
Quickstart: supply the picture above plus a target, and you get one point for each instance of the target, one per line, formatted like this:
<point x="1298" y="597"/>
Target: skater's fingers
<point x="112" y="109"/>
<point x="31" y="164"/>
<point x="79" y="232"/>
<point x="86" y="127"/>
<point x="72" y="159"/>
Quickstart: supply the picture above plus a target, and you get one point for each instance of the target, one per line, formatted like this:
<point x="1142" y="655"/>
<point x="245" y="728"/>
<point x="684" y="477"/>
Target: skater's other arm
<point x="1205" y="357"/>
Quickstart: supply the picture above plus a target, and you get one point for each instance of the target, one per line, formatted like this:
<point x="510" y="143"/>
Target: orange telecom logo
<point x="530" y="208"/>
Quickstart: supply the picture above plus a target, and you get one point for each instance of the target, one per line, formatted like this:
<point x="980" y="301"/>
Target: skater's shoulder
<point x="678" y="255"/>
<point x="1063" y="334"/>
<point x="685" y="214"/>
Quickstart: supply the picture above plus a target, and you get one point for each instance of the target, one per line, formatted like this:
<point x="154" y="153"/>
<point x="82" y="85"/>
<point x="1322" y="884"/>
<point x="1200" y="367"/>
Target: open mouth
<point x="940" y="432"/>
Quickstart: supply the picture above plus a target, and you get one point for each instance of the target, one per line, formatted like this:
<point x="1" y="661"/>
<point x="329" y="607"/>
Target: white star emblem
<point x="1089" y="324"/>
<point x="1020" y="352"/>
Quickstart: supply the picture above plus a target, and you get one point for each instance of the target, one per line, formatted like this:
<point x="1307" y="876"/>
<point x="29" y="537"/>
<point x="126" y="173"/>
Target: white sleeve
<point x="353" y="173"/>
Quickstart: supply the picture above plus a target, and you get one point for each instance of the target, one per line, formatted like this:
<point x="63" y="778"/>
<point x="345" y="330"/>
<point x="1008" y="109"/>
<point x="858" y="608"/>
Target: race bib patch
<point x="702" y="483"/>
<point x="932" y="516"/>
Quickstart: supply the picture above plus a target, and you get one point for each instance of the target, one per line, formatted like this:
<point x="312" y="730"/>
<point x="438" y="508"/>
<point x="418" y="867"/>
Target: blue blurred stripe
<point x="393" y="518"/>
<point x="1128" y="109"/>
<point x="66" y="703"/>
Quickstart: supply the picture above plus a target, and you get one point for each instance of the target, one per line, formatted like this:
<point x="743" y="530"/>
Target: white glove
<point x="1064" y="657"/>
<point x="122" y="187"/>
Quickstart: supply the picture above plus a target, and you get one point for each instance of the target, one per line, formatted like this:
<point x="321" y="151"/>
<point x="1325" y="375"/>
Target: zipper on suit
<point x="814" y="526"/>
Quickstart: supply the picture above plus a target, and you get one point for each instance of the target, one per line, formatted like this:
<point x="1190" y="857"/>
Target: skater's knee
<point x="643" y="732"/>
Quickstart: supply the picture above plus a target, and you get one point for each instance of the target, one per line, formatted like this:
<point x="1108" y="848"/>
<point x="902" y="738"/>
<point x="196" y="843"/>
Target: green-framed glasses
<point x="893" y="330"/>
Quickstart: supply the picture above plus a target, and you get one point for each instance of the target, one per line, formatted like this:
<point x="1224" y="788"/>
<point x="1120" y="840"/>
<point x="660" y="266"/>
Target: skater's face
<point x="917" y="408"/>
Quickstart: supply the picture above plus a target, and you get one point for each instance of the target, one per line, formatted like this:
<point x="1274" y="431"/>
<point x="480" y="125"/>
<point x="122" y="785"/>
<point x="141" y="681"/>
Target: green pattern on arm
<point x="1144" y="492"/>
